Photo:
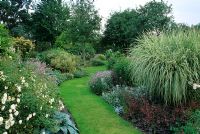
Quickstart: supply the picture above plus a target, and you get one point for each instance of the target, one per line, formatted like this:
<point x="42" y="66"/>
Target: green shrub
<point x="80" y="73"/>
<point x="29" y="99"/>
<point x="77" y="49"/>
<point x="98" y="60"/>
<point x="60" y="60"/>
<point x="23" y="46"/>
<point x="101" y="82"/>
<point x="62" y="41"/>
<point x="122" y="71"/>
<point x="166" y="64"/>
<point x="5" y="40"/>
<point x="60" y="77"/>
<point x="100" y="57"/>
<point x="192" y="125"/>
<point x="112" y="57"/>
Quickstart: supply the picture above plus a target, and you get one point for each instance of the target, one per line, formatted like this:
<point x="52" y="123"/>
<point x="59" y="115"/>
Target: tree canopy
<point x="15" y="14"/>
<point x="123" y="28"/>
<point x="49" y="20"/>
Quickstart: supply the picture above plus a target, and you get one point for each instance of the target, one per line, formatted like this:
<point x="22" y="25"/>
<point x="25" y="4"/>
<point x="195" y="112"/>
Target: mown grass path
<point x="92" y="114"/>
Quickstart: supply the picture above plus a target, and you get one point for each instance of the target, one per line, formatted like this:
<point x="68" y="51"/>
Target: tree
<point x="155" y="16"/>
<point x="84" y="25"/>
<point x="122" y="29"/>
<point x="197" y="26"/>
<point x="15" y="13"/>
<point x="49" y="20"/>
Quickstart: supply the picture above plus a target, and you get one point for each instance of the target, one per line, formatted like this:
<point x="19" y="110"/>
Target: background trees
<point x="84" y="27"/>
<point x="15" y="15"/>
<point x="123" y="28"/>
<point x="155" y="16"/>
<point x="49" y="20"/>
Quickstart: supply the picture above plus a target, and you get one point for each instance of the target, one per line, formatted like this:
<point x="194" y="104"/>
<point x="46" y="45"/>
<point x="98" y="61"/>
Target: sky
<point x="184" y="11"/>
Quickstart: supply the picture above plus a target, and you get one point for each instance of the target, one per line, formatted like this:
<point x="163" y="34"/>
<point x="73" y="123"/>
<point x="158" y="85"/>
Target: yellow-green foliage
<point x="168" y="64"/>
<point x="25" y="46"/>
<point x="61" y="60"/>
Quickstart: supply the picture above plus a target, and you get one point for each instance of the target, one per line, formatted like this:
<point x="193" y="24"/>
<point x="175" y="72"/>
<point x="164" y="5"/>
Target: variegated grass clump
<point x="167" y="65"/>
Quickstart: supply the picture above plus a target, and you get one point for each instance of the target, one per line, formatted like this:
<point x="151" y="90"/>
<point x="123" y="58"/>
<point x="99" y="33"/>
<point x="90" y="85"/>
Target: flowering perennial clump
<point x="101" y="81"/>
<point x="27" y="100"/>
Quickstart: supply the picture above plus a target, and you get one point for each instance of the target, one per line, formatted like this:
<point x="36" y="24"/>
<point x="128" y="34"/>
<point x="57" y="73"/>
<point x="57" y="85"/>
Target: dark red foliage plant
<point x="156" y="118"/>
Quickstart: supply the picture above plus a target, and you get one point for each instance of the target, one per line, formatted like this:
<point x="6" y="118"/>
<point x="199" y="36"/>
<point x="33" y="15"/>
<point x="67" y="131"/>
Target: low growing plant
<point x="192" y="126"/>
<point x="101" y="82"/>
<point x="98" y="60"/>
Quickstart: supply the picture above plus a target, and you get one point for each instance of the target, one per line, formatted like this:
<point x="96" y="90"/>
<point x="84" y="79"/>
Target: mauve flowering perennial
<point x="101" y="81"/>
<point x="103" y="74"/>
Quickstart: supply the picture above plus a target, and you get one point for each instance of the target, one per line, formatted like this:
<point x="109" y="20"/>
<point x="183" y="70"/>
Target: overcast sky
<point x="184" y="11"/>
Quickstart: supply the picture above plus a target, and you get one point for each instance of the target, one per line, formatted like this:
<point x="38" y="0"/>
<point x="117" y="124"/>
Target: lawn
<point x="92" y="114"/>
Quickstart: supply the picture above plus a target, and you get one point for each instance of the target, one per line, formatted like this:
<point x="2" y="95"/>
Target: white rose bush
<point x="28" y="99"/>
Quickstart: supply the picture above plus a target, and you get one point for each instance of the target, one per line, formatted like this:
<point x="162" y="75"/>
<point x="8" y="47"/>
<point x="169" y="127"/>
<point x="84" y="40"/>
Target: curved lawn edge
<point x="91" y="113"/>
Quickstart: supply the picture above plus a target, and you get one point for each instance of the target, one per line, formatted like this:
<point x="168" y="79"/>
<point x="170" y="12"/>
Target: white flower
<point x="26" y="84"/>
<point x="4" y="98"/>
<point x="1" y="120"/>
<point x="34" y="114"/>
<point x="61" y="106"/>
<point x="10" y="57"/>
<point x="2" y="108"/>
<point x="5" y="133"/>
<point x="18" y="100"/>
<point x="16" y="113"/>
<point x="23" y="80"/>
<point x="5" y="87"/>
<point x="9" y="98"/>
<point x="9" y="123"/>
<point x="1" y="72"/>
<point x="30" y="116"/>
<point x="12" y="98"/>
<point x="11" y="117"/>
<point x="20" y="121"/>
<point x="10" y="110"/>
<point x="13" y="106"/>
<point x="27" y="118"/>
<point x="47" y="115"/>
<point x="12" y="122"/>
<point x="43" y="132"/>
<point x="19" y="88"/>
<point x="19" y="95"/>
<point x="195" y="86"/>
